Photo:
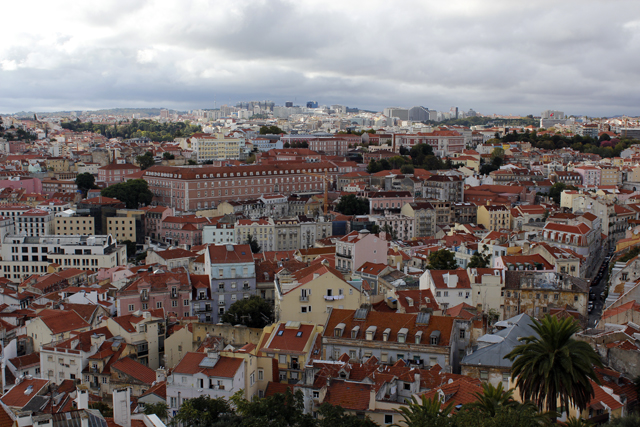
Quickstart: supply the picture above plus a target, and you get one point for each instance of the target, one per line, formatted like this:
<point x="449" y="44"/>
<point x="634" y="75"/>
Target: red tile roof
<point x="59" y="321"/>
<point x="225" y="367"/>
<point x="286" y="340"/>
<point x="458" y="392"/>
<point x="17" y="398"/>
<point x="135" y="369"/>
<point x="349" y="395"/>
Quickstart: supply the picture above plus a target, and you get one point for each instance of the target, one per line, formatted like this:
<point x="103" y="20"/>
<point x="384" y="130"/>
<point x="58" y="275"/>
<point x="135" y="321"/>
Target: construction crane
<point x="326" y="180"/>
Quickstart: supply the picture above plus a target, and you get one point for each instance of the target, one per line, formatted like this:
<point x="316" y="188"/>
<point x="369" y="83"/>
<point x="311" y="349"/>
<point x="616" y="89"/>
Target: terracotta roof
<point x="349" y="395"/>
<point x="224" y="254"/>
<point x="159" y="390"/>
<point x="26" y="361"/>
<point x="18" y="397"/>
<point x="59" y="321"/>
<point x="225" y="367"/>
<point x="289" y="340"/>
<point x="441" y="278"/>
<point x="135" y="369"/>
<point x="458" y="392"/>
<point x="393" y="321"/>
<point x="275" y="388"/>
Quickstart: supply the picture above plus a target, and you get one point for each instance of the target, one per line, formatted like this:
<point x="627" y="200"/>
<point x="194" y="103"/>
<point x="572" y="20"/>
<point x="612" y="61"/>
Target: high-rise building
<point x="400" y="113"/>
<point x="419" y="114"/>
<point x="453" y="112"/>
<point x="288" y="104"/>
<point x="312" y="104"/>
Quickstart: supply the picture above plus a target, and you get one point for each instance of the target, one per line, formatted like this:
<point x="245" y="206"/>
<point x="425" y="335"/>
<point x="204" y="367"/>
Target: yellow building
<point x="55" y="325"/>
<point x="494" y="217"/>
<point x="291" y="344"/>
<point x="311" y="294"/>
<point x="122" y="228"/>
<point x="74" y="226"/>
<point x="58" y="164"/>
<point x="610" y="176"/>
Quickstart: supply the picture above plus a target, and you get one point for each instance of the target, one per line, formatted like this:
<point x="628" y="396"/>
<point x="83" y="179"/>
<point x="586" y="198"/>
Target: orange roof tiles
<point x="17" y="396"/>
<point x="349" y="395"/>
<point x="135" y="369"/>
<point x="289" y="340"/>
<point x="225" y="367"/>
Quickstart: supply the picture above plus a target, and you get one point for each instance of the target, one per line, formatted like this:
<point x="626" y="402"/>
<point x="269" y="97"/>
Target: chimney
<point x="82" y="401"/>
<point x="122" y="407"/>
<point x="161" y="374"/>
<point x="97" y="340"/>
<point x="372" y="399"/>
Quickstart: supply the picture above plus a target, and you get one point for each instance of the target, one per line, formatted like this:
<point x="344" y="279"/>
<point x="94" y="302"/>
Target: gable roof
<point x="225" y="367"/>
<point x="134" y="369"/>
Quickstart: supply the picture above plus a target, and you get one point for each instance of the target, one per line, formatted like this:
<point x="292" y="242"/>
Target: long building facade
<point x="191" y="188"/>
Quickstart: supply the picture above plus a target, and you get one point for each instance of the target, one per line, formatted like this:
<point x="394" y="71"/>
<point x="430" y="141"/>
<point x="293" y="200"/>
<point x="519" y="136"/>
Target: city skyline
<point x="495" y="57"/>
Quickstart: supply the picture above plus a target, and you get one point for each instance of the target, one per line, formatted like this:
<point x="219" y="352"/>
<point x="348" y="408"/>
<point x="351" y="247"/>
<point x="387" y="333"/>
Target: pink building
<point x="590" y="174"/>
<point x="167" y="290"/>
<point x="359" y="247"/>
<point x="183" y="230"/>
<point x="154" y="215"/>
<point x="443" y="142"/>
<point x="388" y="201"/>
<point x="115" y="173"/>
<point x="31" y="185"/>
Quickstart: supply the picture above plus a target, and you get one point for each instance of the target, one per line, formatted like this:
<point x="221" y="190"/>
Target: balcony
<point x="221" y="302"/>
<point x="144" y="297"/>
<point x="304" y="298"/>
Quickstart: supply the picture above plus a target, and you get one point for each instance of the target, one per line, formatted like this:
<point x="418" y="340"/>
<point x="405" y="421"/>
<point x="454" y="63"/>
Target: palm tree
<point x="554" y="366"/>
<point x="494" y="399"/>
<point x="577" y="422"/>
<point x="425" y="412"/>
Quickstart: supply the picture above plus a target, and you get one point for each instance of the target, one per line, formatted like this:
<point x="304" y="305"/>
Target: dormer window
<point x="354" y="332"/>
<point x="385" y="334"/>
<point x="371" y="332"/>
<point x="339" y="329"/>
<point x="418" y="337"/>
<point x="435" y="337"/>
<point x="402" y="335"/>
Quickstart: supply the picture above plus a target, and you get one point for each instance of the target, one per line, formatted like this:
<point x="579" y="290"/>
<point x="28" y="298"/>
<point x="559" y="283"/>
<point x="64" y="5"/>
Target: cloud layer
<point x="507" y="57"/>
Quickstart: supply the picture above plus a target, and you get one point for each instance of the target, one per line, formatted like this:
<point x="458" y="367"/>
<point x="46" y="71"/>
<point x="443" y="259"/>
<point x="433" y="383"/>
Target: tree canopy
<point x="134" y="193"/>
<point x="146" y="160"/>
<point x="254" y="312"/>
<point x="151" y="129"/>
<point x="270" y="130"/>
<point x="555" y="192"/>
<point x="255" y="246"/>
<point x="554" y="367"/>
<point x="85" y="182"/>
<point x="353" y="205"/>
<point x="442" y="259"/>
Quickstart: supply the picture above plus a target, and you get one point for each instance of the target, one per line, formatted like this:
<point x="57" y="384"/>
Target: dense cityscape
<point x="319" y="265"/>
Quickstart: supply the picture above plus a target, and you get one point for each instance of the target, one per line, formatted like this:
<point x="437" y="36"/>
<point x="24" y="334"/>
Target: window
<point x="131" y="307"/>
<point x="174" y="303"/>
<point x="316" y="394"/>
<point x="505" y="377"/>
<point x="105" y="380"/>
<point x="462" y="334"/>
<point x="446" y="293"/>
<point x="260" y="375"/>
<point x="185" y="302"/>
<point x="159" y="304"/>
<point x="407" y="386"/>
<point x="282" y="358"/>
<point x="388" y="418"/>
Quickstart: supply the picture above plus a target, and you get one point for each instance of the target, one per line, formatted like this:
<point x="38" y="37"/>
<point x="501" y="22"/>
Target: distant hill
<point x="144" y="112"/>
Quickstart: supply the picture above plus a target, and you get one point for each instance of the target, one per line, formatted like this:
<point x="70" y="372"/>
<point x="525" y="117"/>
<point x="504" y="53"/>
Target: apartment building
<point x="358" y="247"/>
<point x="307" y="295"/>
<point x="191" y="188"/>
<point x="23" y="256"/>
<point x="397" y="227"/>
<point x="424" y="217"/>
<point x="389" y="201"/>
<point x="167" y="290"/>
<point x="444" y="143"/>
<point x="74" y="226"/>
<point x="450" y="287"/>
<point x="423" y="338"/>
<point x="34" y="222"/>
<point x="494" y="217"/>
<point x="216" y="146"/>
<point x="591" y="175"/>
<point x="114" y="173"/>
<point x="232" y="275"/>
<point x="144" y="331"/>
<point x="444" y="187"/>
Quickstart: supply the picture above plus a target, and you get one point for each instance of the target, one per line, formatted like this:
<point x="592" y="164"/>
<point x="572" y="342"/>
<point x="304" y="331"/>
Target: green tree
<point x="442" y="259"/>
<point x="577" y="422"/>
<point x="426" y="412"/>
<point x="407" y="169"/>
<point x="253" y="312"/>
<point x="104" y="409"/>
<point x="555" y="192"/>
<point x="335" y="416"/>
<point x="390" y="231"/>
<point x="191" y="162"/>
<point x="85" y="182"/>
<point x="630" y="420"/>
<point x="202" y="411"/>
<point x="146" y="160"/>
<point x="479" y="260"/>
<point x="168" y="156"/>
<point x="131" y="248"/>
<point x="159" y="408"/>
<point x="133" y="193"/>
<point x="280" y="409"/>
<point x="271" y="130"/>
<point x="353" y="205"/>
<point x="255" y="246"/>
<point x="374" y="166"/>
<point x="554" y="367"/>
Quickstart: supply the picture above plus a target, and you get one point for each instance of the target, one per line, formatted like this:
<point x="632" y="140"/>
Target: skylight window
<point x="299" y="334"/>
<point x="280" y="333"/>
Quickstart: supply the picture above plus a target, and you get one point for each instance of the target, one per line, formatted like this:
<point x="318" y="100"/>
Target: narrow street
<point x="597" y="289"/>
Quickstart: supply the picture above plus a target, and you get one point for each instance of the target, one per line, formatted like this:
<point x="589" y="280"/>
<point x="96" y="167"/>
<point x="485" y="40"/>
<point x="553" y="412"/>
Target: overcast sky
<point x="505" y="57"/>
